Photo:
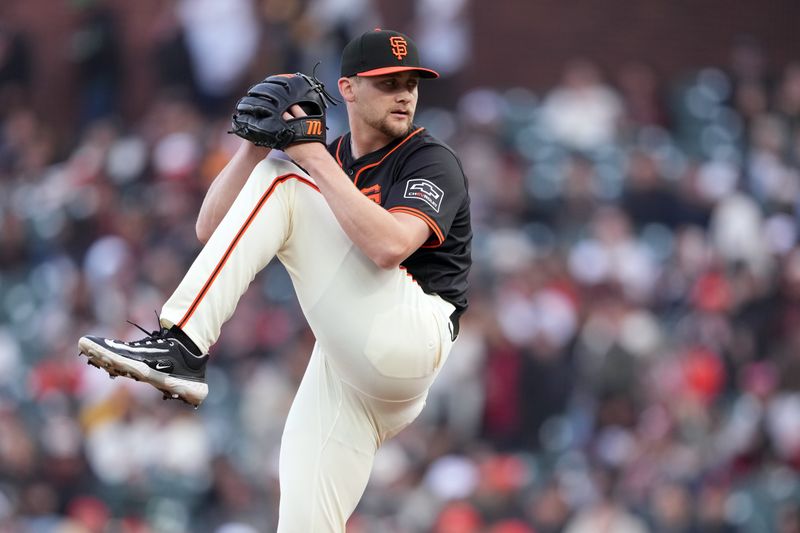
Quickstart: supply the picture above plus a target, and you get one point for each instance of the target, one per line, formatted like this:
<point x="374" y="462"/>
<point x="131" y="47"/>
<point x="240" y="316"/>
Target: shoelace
<point x="157" y="336"/>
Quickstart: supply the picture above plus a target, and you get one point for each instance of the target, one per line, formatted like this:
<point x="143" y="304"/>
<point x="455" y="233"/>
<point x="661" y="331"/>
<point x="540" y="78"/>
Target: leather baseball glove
<point x="258" y="117"/>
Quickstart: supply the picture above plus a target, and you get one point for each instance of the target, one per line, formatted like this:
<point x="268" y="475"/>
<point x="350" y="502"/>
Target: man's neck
<point x="365" y="139"/>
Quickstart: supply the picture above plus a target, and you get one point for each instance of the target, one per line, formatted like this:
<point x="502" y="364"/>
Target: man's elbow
<point x="387" y="262"/>
<point x="203" y="231"/>
<point x="390" y="257"/>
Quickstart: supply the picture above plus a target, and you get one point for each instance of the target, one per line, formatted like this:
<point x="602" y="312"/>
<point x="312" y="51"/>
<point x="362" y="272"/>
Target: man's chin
<point x="397" y="128"/>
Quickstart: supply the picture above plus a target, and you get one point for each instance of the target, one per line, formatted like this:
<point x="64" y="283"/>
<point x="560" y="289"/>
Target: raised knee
<point x="274" y="167"/>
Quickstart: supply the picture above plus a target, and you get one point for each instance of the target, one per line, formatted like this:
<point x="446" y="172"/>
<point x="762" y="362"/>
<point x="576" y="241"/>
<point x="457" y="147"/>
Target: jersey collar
<point x="344" y="155"/>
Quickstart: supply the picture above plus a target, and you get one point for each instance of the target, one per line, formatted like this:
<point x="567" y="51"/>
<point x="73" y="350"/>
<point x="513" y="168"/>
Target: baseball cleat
<point x="158" y="359"/>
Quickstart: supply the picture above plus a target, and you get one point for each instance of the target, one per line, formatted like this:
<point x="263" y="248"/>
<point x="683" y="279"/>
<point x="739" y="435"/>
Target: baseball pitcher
<point x="374" y="231"/>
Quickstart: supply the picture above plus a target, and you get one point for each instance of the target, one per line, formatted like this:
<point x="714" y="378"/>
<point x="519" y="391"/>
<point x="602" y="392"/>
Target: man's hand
<point x="259" y="116"/>
<point x="300" y="152"/>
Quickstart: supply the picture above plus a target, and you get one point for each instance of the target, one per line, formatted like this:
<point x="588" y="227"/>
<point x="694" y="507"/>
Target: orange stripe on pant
<point x="237" y="238"/>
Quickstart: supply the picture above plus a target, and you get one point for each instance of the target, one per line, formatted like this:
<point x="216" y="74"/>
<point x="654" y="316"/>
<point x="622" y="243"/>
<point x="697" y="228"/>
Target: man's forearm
<point x="383" y="237"/>
<point x="226" y="187"/>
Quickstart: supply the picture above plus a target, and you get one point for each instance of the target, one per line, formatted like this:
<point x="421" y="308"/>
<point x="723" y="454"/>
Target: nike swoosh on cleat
<point x="161" y="366"/>
<point x="138" y="349"/>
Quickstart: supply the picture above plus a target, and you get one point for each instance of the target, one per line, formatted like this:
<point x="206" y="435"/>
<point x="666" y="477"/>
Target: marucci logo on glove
<point x="426" y="191"/>
<point x="258" y="116"/>
<point x="314" y="127"/>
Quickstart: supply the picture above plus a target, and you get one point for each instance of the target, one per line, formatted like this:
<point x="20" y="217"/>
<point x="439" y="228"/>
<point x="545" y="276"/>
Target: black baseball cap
<point x="380" y="52"/>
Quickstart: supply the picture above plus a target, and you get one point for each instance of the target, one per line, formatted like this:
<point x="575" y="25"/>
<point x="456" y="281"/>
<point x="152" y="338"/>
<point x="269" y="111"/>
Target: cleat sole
<point x="191" y="392"/>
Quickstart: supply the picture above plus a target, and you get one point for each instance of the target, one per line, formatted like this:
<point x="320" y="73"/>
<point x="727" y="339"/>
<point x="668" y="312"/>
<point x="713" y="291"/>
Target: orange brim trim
<point x="437" y="234"/>
<point x="423" y="72"/>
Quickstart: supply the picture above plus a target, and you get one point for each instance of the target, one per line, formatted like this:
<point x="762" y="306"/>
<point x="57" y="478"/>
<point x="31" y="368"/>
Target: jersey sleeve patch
<point x="424" y="190"/>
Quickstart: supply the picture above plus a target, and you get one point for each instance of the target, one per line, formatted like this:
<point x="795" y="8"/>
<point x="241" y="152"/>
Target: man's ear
<point x="346" y="89"/>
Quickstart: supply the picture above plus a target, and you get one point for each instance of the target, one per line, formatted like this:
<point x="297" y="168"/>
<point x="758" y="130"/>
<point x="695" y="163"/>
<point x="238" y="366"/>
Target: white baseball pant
<point x="381" y="340"/>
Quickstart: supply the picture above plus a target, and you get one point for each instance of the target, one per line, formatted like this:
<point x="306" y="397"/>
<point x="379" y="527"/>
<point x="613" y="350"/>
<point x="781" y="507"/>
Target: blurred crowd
<point x="630" y="361"/>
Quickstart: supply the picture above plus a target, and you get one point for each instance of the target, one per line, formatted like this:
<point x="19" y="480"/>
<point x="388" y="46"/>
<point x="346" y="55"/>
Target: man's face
<point x="387" y="103"/>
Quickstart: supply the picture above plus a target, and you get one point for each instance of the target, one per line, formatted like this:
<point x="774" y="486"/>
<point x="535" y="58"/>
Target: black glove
<point x="259" y="115"/>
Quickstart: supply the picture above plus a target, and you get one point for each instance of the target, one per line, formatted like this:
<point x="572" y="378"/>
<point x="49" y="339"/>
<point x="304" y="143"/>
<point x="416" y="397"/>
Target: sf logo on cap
<point x="399" y="48"/>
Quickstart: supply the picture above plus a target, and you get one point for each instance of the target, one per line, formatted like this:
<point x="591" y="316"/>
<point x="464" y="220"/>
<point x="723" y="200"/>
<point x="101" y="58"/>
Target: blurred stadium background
<point x="631" y="359"/>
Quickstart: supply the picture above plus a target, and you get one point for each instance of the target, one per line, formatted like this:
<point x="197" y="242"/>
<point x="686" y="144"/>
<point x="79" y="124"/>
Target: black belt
<point x="454" y="325"/>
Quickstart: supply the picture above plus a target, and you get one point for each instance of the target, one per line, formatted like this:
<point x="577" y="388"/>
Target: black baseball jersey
<point x="421" y="176"/>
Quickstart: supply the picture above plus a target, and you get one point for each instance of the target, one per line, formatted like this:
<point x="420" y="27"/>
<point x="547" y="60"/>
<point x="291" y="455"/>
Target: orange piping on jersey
<point x="236" y="239"/>
<point x="339" y="145"/>
<point x="365" y="167"/>
<point x="425" y="218"/>
<point x="404" y="269"/>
